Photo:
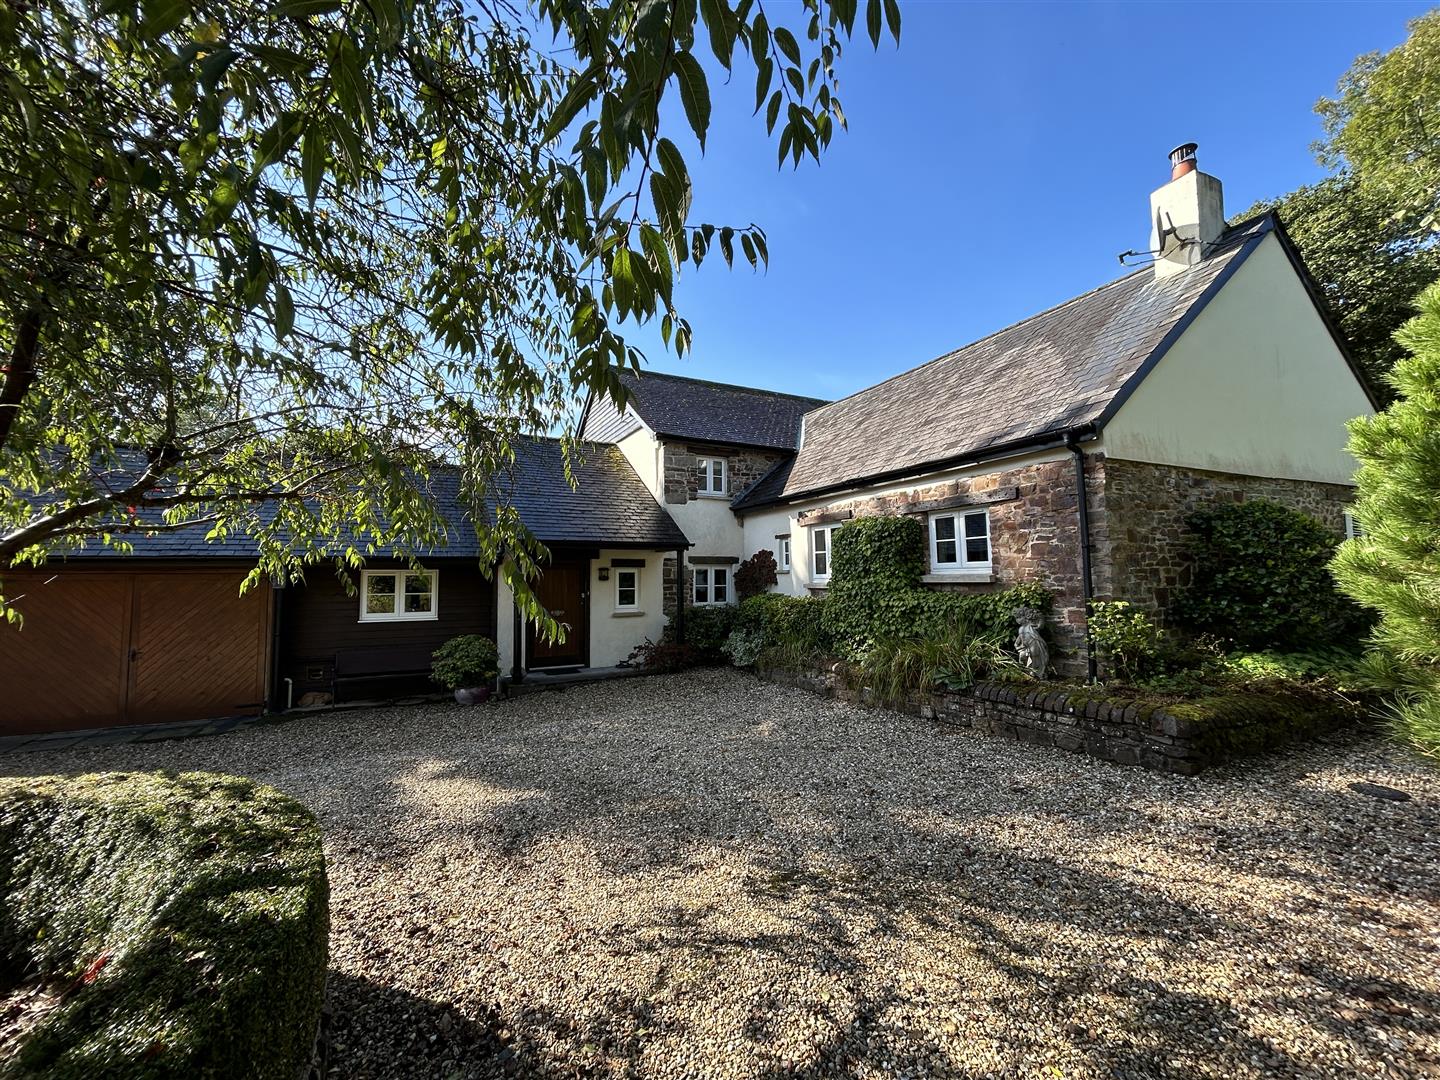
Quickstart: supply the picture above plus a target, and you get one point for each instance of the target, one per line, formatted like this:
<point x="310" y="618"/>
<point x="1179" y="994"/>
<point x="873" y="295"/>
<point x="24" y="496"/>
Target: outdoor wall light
<point x="604" y="573"/>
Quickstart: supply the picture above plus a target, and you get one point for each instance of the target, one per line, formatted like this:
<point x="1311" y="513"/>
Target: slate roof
<point x="679" y="407"/>
<point x="1050" y="374"/>
<point x="610" y="506"/>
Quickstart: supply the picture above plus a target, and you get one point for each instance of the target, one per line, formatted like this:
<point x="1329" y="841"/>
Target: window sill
<point x="711" y="495"/>
<point x="709" y="603"/>
<point x="952" y="577"/>
<point x="627" y="614"/>
<point x="431" y="617"/>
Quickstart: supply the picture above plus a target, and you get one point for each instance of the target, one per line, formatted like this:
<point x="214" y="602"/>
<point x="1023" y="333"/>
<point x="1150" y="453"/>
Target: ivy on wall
<point x="876" y="594"/>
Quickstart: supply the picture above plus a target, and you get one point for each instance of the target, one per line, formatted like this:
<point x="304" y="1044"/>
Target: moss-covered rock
<point x="187" y="915"/>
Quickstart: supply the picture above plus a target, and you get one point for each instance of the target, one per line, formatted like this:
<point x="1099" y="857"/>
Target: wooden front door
<point x="562" y="591"/>
<point x="100" y="648"/>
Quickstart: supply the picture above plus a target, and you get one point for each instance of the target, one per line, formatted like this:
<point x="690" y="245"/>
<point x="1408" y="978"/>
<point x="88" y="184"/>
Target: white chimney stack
<point x="1187" y="215"/>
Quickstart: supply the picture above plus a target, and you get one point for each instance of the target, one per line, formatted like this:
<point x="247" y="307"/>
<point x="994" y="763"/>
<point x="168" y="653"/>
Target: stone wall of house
<point x="1165" y="738"/>
<point x="1147" y="507"/>
<point x="681" y="480"/>
<point x="1034" y="535"/>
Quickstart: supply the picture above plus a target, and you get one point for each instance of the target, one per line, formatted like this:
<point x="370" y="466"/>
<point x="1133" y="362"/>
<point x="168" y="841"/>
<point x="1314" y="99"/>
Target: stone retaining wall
<point x="1184" y="738"/>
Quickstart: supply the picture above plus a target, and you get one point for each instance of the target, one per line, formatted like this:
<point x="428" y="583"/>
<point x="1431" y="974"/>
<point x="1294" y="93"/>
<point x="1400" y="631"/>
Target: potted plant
<point x="468" y="665"/>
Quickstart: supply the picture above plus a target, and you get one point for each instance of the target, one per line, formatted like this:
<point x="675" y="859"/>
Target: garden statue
<point x="1034" y="656"/>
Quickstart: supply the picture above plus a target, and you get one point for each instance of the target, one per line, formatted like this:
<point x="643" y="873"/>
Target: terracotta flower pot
<point x="473" y="695"/>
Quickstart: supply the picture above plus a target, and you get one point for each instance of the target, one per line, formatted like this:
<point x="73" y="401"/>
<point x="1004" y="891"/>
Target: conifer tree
<point x="1394" y="565"/>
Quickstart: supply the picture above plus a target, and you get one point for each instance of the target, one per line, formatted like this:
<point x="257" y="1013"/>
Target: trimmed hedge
<point x="187" y="914"/>
<point x="876" y="594"/>
<point x="797" y="621"/>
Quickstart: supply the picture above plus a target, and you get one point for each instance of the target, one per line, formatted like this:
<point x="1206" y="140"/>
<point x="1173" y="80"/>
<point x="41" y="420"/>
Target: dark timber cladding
<point x="325" y="647"/>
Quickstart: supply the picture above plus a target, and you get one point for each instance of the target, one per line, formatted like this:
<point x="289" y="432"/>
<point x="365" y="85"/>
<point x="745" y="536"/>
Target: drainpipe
<point x="680" y="596"/>
<point x="1087" y="583"/>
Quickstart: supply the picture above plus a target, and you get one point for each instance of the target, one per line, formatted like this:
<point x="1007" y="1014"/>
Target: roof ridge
<point x="723" y="385"/>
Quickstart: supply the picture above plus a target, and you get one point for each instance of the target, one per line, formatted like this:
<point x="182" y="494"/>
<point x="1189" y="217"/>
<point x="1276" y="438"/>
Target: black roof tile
<point x="683" y="408"/>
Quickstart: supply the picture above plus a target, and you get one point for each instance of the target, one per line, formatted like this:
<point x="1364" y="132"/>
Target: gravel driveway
<point x="702" y="875"/>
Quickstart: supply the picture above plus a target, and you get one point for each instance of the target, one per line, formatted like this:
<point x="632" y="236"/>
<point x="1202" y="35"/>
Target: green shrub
<point x="706" y="629"/>
<point x="876" y="595"/>
<point x="755" y="575"/>
<point x="1261" y="579"/>
<point x="797" y="621"/>
<point x="1127" y="640"/>
<point x="744" y="646"/>
<point x="187" y="914"/>
<point x="466" y="660"/>
<point x="1393" y="568"/>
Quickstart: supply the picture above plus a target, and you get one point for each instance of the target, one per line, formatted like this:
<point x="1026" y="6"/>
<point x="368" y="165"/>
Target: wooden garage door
<point x="98" y="648"/>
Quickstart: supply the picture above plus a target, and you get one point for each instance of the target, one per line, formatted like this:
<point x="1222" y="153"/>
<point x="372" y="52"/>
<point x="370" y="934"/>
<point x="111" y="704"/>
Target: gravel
<point x="703" y="875"/>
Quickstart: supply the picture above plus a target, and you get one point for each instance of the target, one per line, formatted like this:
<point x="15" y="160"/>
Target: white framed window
<point x="1353" y="531"/>
<point x="712" y="476"/>
<point x="960" y="541"/>
<point x="627" y="590"/>
<point x="712" y="585"/>
<point x="782" y="554"/>
<point x="821" y="540"/>
<point x="399" y="595"/>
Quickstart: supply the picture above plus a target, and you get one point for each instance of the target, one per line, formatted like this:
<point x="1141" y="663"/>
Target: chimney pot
<point x="1182" y="160"/>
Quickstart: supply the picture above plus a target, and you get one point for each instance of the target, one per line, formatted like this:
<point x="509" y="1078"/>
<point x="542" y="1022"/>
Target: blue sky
<point x="996" y="164"/>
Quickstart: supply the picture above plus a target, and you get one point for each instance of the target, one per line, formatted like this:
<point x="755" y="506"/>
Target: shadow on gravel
<point x="379" y="1031"/>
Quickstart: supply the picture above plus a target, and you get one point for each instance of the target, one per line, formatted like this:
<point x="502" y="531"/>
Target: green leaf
<point x="694" y="94"/>
<point x="26" y="103"/>
<point x="788" y="46"/>
<point x="892" y="18"/>
<point x="772" y="112"/>
<point x="579" y="95"/>
<point x="764" y="72"/>
<point x="284" y="311"/>
<point x="720" y="23"/>
<point x="215" y="65"/>
<point x="159" y="17"/>
<point x="872" y="21"/>
<point x="312" y="161"/>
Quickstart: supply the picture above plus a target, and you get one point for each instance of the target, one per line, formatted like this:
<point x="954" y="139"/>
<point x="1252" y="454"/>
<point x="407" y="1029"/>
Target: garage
<point x="99" y="647"/>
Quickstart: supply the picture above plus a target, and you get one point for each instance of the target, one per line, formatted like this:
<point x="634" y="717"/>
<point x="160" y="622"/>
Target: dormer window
<point x="712" y="476"/>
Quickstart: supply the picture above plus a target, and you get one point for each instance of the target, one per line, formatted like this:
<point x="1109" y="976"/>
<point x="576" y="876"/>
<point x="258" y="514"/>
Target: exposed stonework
<point x="1153" y="736"/>
<point x="1147" y="508"/>
<point x="681" y="479"/>
<point x="1034" y="536"/>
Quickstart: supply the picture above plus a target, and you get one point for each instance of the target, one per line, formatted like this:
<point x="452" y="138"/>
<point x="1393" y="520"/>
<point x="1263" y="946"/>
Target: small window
<point x="712" y="476"/>
<point x="393" y="595"/>
<point x="960" y="541"/>
<point x="627" y="590"/>
<point x="1353" y="531"/>
<point x="712" y="585"/>
<point x="782" y="554"/>
<point x="820" y="543"/>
